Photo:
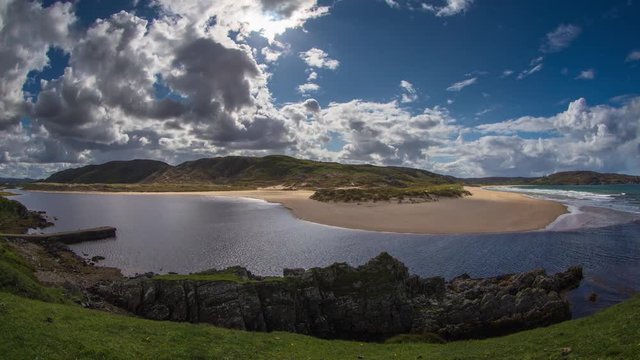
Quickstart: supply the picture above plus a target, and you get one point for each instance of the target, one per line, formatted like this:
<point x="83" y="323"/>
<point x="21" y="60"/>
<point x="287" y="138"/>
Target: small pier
<point x="68" y="237"/>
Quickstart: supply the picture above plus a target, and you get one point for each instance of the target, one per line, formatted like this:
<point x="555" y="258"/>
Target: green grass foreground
<point x="37" y="330"/>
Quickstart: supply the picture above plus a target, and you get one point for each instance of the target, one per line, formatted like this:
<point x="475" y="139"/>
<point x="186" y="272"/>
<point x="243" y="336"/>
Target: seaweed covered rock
<point x="375" y="301"/>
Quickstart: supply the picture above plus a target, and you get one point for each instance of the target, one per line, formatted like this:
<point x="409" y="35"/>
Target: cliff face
<point x="372" y="302"/>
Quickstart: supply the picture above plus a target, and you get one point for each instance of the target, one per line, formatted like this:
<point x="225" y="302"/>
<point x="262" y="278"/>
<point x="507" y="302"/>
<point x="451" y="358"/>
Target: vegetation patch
<point x="33" y="329"/>
<point x="16" y="277"/>
<point x="410" y="194"/>
<point x="230" y="275"/>
<point x="426" y="338"/>
<point x="16" y="219"/>
<point x="239" y="172"/>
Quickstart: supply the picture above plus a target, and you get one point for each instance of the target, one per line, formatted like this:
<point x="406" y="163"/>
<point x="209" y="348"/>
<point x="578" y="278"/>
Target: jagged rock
<point x="372" y="302"/>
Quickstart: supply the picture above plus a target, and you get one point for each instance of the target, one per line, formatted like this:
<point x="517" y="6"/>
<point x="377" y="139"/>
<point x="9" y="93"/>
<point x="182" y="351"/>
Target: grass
<point x="422" y="193"/>
<point x="38" y="330"/>
<point x="16" y="277"/>
<point x="237" y="172"/>
<point x="219" y="276"/>
<point x="16" y="219"/>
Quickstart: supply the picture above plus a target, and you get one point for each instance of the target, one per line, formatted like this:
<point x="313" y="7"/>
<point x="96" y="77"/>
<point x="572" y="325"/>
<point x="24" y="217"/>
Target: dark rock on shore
<point x="372" y="302"/>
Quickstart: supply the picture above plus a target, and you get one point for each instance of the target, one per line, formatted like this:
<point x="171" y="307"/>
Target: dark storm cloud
<point x="208" y="70"/>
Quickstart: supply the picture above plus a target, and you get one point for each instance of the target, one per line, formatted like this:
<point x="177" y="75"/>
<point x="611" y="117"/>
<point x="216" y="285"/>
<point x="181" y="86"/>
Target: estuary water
<point x="189" y="233"/>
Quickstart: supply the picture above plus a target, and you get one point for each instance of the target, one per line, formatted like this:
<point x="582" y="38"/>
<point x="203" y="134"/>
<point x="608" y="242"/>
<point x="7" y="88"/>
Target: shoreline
<point x="485" y="211"/>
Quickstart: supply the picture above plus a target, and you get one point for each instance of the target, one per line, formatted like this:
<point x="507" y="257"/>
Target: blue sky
<point x="463" y="87"/>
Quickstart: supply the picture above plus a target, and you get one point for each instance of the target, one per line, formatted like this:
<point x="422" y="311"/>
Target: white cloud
<point x="410" y="94"/>
<point x="507" y="73"/>
<point x="601" y="138"/>
<point x="588" y="74"/>
<point x="28" y="31"/>
<point x="317" y="58"/>
<point x="266" y="17"/>
<point x="385" y="133"/>
<point x="452" y="7"/>
<point x="270" y="55"/>
<point x="560" y="38"/>
<point x="105" y="105"/>
<point x="530" y="71"/>
<point x="392" y="3"/>
<point x="462" y="84"/>
<point x="308" y="88"/>
<point x="633" y="56"/>
<point x="215" y="101"/>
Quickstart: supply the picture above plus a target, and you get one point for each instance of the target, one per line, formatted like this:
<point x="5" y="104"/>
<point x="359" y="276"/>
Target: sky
<point x="467" y="88"/>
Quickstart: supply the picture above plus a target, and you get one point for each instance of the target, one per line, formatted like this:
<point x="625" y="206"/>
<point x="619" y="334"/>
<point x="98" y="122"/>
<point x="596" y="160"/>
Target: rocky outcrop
<point x="371" y="302"/>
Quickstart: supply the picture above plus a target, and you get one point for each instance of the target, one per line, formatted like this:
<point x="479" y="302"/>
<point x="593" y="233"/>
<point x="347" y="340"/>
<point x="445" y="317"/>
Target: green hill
<point x="113" y="172"/>
<point x="585" y="178"/>
<point x="560" y="178"/>
<point x="250" y="172"/>
<point x="272" y="170"/>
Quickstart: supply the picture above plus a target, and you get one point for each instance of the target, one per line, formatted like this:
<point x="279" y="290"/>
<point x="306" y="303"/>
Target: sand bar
<point x="485" y="211"/>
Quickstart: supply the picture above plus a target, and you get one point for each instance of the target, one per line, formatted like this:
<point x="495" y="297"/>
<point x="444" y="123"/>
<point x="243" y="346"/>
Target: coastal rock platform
<point x="371" y="302"/>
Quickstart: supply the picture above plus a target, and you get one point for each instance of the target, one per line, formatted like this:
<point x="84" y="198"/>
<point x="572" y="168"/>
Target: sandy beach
<point x="485" y="211"/>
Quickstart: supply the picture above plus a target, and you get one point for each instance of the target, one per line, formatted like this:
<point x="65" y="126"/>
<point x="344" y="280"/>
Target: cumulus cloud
<point x="266" y="17"/>
<point x="28" y="31"/>
<point x="458" y="86"/>
<point x="187" y="85"/>
<point x="600" y="138"/>
<point x="410" y="94"/>
<point x="183" y="85"/>
<point x="452" y="7"/>
<point x="317" y="58"/>
<point x="385" y="133"/>
<point x="308" y="88"/>
<point x="588" y="74"/>
<point x="560" y="38"/>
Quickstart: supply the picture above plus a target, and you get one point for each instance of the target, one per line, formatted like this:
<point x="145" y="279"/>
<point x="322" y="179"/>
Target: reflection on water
<point x="187" y="233"/>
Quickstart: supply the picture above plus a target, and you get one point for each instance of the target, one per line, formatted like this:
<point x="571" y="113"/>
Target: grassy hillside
<point x="560" y="178"/>
<point x="121" y="172"/>
<point x="16" y="219"/>
<point x="34" y="329"/>
<point x="278" y="169"/>
<point x="245" y="172"/>
<point x="585" y="178"/>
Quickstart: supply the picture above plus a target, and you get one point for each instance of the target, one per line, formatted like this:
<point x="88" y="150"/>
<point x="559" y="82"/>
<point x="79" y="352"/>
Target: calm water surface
<point x="188" y="233"/>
